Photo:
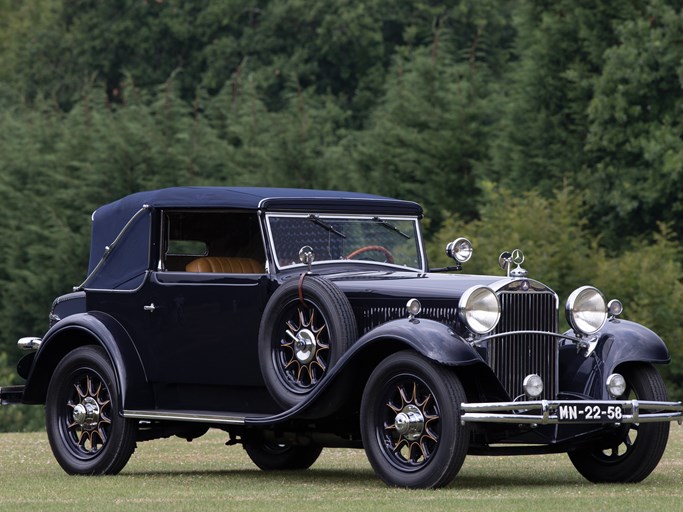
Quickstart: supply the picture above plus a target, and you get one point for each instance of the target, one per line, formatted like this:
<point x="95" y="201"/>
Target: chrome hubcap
<point x="410" y="427"/>
<point x="410" y="422"/>
<point x="304" y="346"/>
<point x="87" y="413"/>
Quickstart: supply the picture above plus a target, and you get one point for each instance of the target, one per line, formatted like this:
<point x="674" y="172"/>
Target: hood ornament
<point x="506" y="260"/>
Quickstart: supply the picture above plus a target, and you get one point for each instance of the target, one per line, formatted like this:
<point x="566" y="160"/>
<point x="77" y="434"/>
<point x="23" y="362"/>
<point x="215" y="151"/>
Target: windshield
<point x="392" y="240"/>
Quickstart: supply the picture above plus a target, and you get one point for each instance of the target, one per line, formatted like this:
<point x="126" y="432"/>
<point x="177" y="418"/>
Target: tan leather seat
<point x="225" y="265"/>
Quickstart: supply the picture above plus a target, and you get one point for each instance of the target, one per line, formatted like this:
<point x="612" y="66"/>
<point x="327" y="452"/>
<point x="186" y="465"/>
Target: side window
<point x="211" y="241"/>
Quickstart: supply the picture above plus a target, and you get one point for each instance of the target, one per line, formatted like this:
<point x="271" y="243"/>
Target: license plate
<point x="589" y="413"/>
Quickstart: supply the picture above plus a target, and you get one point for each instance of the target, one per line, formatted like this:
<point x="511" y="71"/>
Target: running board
<point x="200" y="417"/>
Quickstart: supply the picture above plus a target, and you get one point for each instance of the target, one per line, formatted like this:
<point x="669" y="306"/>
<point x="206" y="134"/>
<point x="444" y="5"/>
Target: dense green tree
<point x="410" y="150"/>
<point x="634" y="176"/>
<point x="560" y="48"/>
<point x="594" y="98"/>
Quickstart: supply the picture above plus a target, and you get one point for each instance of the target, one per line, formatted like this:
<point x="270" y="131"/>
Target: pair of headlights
<point x="586" y="309"/>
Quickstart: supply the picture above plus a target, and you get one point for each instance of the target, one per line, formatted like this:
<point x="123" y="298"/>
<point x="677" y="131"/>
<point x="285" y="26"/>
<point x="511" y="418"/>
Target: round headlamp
<point x="479" y="309"/>
<point x="460" y="250"/>
<point x="616" y="385"/>
<point x="586" y="310"/>
<point x="533" y="385"/>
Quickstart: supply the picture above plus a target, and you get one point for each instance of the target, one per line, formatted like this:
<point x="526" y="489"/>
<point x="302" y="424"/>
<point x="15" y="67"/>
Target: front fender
<point x="432" y="339"/>
<point x="94" y="328"/>
<point x="624" y="342"/>
<point x="619" y="342"/>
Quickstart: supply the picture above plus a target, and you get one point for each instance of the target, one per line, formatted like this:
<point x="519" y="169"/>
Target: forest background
<point x="554" y="126"/>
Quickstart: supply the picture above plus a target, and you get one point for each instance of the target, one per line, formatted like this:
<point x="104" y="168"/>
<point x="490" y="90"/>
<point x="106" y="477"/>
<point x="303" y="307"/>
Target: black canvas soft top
<point x="129" y="260"/>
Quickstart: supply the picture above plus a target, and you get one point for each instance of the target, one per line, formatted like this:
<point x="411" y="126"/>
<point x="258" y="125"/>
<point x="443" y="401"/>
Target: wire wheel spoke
<point x="86" y="418"/>
<point x="303" y="348"/>
<point x="411" y="422"/>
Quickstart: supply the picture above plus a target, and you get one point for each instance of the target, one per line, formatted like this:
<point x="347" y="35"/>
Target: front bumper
<point x="553" y="412"/>
<point x="11" y="394"/>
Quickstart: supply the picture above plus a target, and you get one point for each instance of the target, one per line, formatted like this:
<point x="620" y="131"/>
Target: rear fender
<point x="93" y="328"/>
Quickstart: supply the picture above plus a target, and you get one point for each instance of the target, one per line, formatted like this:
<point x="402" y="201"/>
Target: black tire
<point x="632" y="451"/>
<point x="282" y="457"/>
<point x="324" y="320"/>
<point x="86" y="433"/>
<point x="425" y="397"/>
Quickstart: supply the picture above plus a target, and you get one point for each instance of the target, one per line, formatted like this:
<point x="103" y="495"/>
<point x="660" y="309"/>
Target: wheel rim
<point x="623" y="441"/>
<point x="85" y="420"/>
<point x="622" y="446"/>
<point x="302" y="347"/>
<point x="408" y="423"/>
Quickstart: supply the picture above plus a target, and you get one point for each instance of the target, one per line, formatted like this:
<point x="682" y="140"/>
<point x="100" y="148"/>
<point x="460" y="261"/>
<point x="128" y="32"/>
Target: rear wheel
<point x="86" y="433"/>
<point x="410" y="422"/>
<point x="632" y="451"/>
<point x="271" y="456"/>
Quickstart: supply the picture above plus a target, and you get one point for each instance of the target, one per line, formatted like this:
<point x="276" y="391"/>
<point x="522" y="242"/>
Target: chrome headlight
<point x="460" y="250"/>
<point x="586" y="310"/>
<point x="479" y="309"/>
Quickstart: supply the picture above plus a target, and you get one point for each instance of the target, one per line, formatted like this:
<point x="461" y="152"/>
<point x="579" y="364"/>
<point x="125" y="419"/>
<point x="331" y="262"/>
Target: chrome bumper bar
<point x="553" y="412"/>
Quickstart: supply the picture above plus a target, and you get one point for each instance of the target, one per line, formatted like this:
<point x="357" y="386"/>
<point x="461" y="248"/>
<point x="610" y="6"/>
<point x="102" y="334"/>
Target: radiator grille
<point x="370" y="317"/>
<point x="514" y="357"/>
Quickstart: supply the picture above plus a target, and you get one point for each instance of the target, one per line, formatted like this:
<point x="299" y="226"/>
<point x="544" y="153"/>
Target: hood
<point x="406" y="285"/>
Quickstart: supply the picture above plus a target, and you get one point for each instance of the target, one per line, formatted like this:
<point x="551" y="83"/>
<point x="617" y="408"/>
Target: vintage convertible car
<point x="298" y="319"/>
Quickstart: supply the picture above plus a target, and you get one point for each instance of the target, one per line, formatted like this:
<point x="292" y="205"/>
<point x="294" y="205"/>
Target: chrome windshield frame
<point x="420" y="250"/>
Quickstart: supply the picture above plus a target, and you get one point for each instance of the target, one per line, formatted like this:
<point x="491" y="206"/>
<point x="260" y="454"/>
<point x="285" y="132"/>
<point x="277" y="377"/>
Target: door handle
<point x="149" y="308"/>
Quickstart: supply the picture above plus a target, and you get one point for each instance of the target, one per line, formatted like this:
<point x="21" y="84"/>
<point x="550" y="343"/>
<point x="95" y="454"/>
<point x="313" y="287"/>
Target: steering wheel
<point x="378" y="248"/>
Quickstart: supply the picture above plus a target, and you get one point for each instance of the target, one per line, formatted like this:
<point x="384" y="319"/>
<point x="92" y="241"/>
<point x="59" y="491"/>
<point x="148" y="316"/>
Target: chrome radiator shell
<point x="512" y="357"/>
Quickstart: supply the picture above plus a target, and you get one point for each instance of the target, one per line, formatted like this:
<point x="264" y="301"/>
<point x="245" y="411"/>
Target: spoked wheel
<point x="410" y="422"/>
<point x="86" y="434"/>
<point x="388" y="257"/>
<point x="306" y="328"/>
<point x="632" y="451"/>
<point x="271" y="456"/>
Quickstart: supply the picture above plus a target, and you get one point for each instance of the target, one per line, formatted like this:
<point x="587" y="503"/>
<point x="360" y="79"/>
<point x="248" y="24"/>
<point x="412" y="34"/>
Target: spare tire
<point x="308" y="324"/>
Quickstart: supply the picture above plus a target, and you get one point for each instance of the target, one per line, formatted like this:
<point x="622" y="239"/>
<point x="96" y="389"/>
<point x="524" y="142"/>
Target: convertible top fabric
<point x="125" y="266"/>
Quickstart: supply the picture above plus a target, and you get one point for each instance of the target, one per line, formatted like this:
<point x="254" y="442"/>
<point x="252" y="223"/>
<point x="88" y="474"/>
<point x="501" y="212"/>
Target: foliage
<point x="635" y="132"/>
<point x="594" y="98"/>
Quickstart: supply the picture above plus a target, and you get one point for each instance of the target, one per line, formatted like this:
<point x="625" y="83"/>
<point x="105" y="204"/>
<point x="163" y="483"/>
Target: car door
<point x="198" y="328"/>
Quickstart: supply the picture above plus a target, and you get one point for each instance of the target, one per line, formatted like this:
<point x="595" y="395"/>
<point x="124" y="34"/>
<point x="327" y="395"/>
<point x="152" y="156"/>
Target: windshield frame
<point x="321" y="216"/>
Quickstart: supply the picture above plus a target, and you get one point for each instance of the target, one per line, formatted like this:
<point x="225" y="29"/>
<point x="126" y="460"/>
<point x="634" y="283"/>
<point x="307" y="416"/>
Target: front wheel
<point x="410" y="422"/>
<point x="632" y="451"/>
<point x="86" y="433"/>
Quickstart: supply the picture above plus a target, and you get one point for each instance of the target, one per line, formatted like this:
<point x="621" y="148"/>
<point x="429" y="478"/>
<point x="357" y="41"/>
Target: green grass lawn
<point x="173" y="474"/>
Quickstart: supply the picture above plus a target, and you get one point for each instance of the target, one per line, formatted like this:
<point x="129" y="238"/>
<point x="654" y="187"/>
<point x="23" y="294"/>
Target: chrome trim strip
<point x="548" y="412"/>
<point x="357" y="216"/>
<point x="184" y="416"/>
<point x="29" y="343"/>
<point x="480" y="339"/>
